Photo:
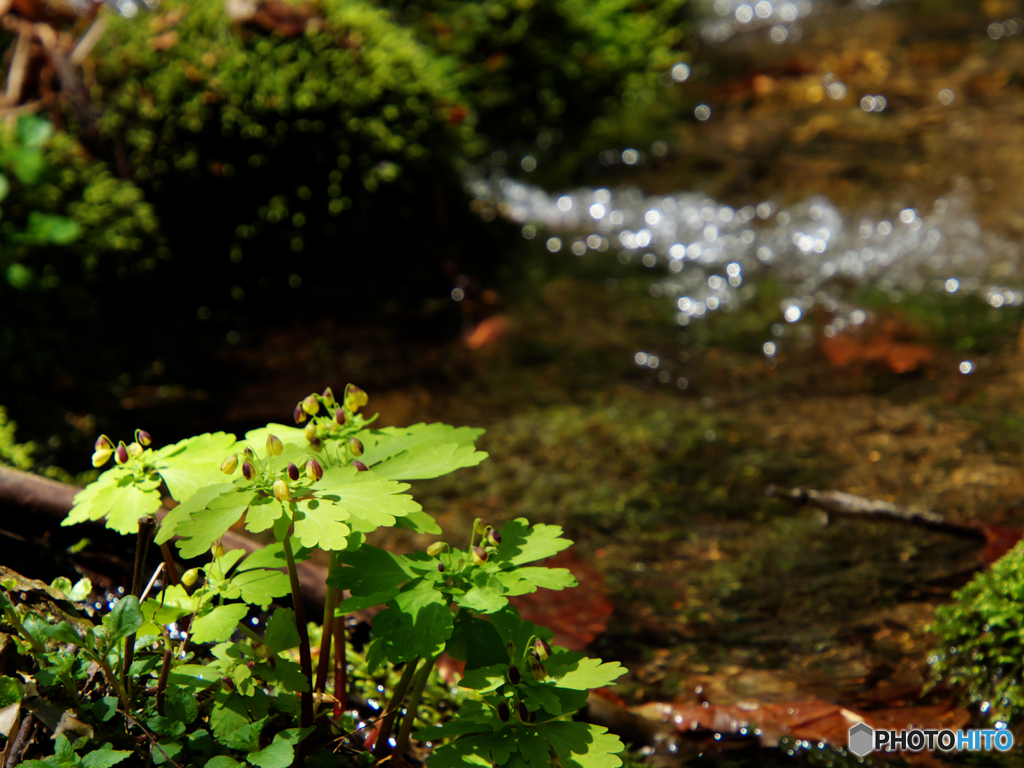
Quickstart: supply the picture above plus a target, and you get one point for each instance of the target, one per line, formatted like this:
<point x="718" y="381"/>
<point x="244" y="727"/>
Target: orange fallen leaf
<point x="487" y="332"/>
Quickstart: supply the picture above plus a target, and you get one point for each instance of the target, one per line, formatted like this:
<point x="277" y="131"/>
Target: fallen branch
<point x="860" y="508"/>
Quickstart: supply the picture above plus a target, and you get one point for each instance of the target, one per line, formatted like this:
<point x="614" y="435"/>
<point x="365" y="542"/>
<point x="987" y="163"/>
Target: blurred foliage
<point x="12" y="453"/>
<point x="70" y="235"/>
<point x="981" y="638"/>
<point x="22" y="456"/>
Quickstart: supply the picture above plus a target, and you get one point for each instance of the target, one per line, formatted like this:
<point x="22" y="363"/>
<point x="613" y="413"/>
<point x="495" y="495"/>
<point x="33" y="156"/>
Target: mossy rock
<point x="982" y="638"/>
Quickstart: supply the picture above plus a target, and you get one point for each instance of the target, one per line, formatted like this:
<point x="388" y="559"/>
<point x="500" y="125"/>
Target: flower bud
<point x="218" y="550"/>
<point x="360" y="467"/>
<point x="533" y="717"/>
<point x="103" y="443"/>
<point x="227" y="684"/>
<point x="310" y="432"/>
<point x="190" y="577"/>
<point x="479" y="555"/>
<point x="102" y="457"/>
<point x="494" y="537"/>
<point x="230" y="464"/>
<point x="143" y="437"/>
<point x="541" y="648"/>
<point x="251" y="664"/>
<point x="298" y="414"/>
<point x="248" y="470"/>
<point x="355" y="397"/>
<point x="311" y="405"/>
<point x="134" y="450"/>
<point x="356" y="446"/>
<point x="313" y="470"/>
<point x="274" y="445"/>
<point x="316" y="444"/>
<point x="247" y="453"/>
<point x="436" y="548"/>
<point x="538" y="669"/>
<point x="503" y="712"/>
<point x="281" y="491"/>
<point x="513" y="675"/>
<point x="121" y="455"/>
<point x="328" y="397"/>
<point x="440" y="567"/>
<point x="340" y="418"/>
<point x="479" y="526"/>
<point x="523" y="712"/>
<point x="293" y="472"/>
<point x="262" y="652"/>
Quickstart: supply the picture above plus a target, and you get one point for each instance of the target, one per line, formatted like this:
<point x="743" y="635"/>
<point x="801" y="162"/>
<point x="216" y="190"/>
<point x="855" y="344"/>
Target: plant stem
<point x="340" y="665"/>
<point x="414" y="701"/>
<point x="323" y="661"/>
<point x="161" y="685"/>
<point x="380" y="748"/>
<point x="172" y="569"/>
<point x="306" y="717"/>
<point x="147" y="525"/>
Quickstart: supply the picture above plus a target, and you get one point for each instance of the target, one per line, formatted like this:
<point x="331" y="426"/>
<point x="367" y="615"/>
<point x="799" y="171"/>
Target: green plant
<point x="981" y="638"/>
<point x="183" y="678"/>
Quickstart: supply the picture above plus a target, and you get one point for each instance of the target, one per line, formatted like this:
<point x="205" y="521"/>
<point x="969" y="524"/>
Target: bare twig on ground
<point x="860" y="508"/>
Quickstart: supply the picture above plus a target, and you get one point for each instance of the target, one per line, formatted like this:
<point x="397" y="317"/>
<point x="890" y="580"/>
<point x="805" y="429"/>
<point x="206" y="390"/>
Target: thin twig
<point x="860" y="508"/>
<point x="152" y="581"/>
<point x="88" y="41"/>
<point x="16" y="72"/>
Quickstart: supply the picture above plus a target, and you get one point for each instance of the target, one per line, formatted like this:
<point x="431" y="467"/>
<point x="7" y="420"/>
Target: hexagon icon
<point x="861" y="740"/>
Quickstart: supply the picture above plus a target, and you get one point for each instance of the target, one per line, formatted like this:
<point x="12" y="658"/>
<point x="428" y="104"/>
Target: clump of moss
<point x="982" y="638"/>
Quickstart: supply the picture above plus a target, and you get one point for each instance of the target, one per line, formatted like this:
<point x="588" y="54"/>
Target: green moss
<point x="982" y="638"/>
<point x="12" y="453"/>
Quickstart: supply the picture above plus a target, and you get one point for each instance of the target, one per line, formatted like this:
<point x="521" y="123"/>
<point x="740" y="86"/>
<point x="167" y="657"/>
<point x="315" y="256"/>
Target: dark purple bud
<point x="339" y="417"/>
<point x="523" y="712"/>
<point x="248" y="470"/>
<point x="538" y="669"/>
<point x="313" y="470"/>
<point x="513" y="675"/>
<point x="494" y="537"/>
<point x="247" y="453"/>
<point x="479" y="555"/>
<point x="298" y="414"/>
<point x="103" y="443"/>
<point x="360" y="467"/>
<point x="503" y="712"/>
<point x="533" y="717"/>
<point x="143" y="437"/>
<point x="251" y="665"/>
<point x="316" y="444"/>
<point x="440" y="567"/>
<point x="356" y="446"/>
<point x="121" y="455"/>
<point x="293" y="471"/>
<point x="328" y="397"/>
<point x="227" y="683"/>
